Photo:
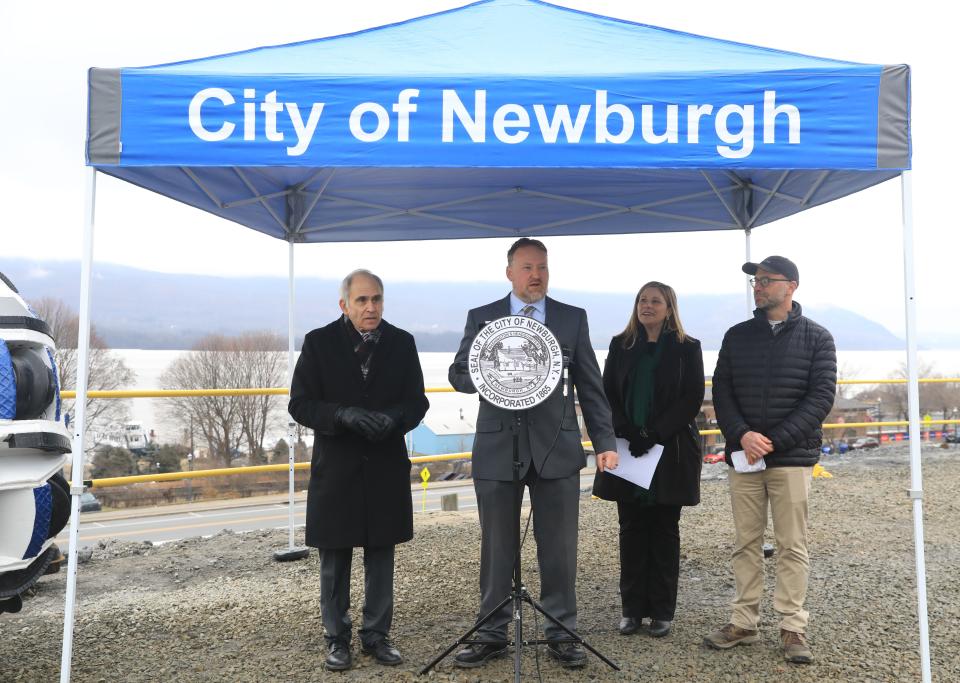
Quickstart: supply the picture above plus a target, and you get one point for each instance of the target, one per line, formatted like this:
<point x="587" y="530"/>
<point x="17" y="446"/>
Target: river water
<point x="148" y="366"/>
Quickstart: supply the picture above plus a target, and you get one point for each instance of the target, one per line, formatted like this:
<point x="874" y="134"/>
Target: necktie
<point x="528" y="311"/>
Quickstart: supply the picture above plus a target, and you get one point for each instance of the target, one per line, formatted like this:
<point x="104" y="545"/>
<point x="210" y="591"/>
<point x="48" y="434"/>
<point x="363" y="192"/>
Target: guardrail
<point x="417" y="459"/>
<point x="282" y="391"/>
<point x="277" y="391"/>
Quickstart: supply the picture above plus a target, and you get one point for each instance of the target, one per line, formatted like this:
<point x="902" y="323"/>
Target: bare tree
<point x="939" y="398"/>
<point x="106" y="370"/>
<point x="207" y="366"/>
<point x="845" y="371"/>
<point x="261" y="364"/>
<point x="253" y="360"/>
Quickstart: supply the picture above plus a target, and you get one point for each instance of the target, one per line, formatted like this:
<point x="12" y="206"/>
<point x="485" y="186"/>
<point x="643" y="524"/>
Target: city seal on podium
<point x="515" y="362"/>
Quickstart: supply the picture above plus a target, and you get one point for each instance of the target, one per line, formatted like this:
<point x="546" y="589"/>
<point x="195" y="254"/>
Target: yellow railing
<point x="276" y="391"/>
<point x="252" y="469"/>
<point x="186" y="393"/>
<point x="282" y="391"/>
<point x="417" y="459"/>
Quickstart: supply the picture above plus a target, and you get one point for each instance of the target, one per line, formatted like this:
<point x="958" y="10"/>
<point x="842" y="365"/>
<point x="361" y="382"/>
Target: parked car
<point x="951" y="438"/>
<point x="89" y="502"/>
<point x="864" y="442"/>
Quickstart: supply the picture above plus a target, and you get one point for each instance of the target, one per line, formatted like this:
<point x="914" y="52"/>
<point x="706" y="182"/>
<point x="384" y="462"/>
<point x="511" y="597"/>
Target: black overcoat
<point x="677" y="397"/>
<point x="359" y="494"/>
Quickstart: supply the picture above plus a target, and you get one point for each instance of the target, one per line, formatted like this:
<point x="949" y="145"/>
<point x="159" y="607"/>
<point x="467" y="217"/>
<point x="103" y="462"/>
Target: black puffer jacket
<point x="781" y="386"/>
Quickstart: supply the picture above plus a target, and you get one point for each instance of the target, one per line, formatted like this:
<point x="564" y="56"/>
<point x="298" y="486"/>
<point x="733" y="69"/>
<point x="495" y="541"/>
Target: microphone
<point x="566" y="365"/>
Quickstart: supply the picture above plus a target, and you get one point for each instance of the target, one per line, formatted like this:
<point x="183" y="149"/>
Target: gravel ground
<point x="219" y="609"/>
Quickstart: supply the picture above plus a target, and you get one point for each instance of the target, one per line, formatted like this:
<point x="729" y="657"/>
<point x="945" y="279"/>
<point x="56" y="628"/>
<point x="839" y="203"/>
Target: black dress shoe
<point x="570" y="655"/>
<point x="479" y="654"/>
<point x="339" y="658"/>
<point x="629" y="625"/>
<point x="659" y="628"/>
<point x="383" y="651"/>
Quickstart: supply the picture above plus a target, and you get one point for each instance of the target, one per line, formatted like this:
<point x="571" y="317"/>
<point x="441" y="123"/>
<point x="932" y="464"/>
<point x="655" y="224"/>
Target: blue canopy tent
<point x="501" y="118"/>
<point x="504" y="117"/>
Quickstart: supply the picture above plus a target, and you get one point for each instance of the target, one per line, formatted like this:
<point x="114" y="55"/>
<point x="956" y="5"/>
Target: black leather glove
<point x="630" y="432"/>
<point x="359" y="421"/>
<point x="385" y="425"/>
<point x="644" y="441"/>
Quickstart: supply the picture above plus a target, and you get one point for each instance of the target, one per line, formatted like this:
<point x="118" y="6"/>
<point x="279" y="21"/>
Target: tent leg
<point x="746" y="241"/>
<point x="292" y="552"/>
<point x="913" y="402"/>
<point x="80" y="410"/>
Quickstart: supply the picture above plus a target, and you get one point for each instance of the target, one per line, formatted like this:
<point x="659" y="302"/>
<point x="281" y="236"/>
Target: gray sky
<point x="849" y="252"/>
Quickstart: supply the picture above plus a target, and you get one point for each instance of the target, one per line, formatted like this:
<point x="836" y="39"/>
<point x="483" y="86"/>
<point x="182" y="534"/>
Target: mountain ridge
<point x="135" y="308"/>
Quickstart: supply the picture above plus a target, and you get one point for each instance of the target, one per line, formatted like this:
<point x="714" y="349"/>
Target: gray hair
<point x="348" y="281"/>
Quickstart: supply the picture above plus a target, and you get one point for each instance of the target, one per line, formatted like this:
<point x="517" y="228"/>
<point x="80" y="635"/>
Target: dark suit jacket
<point x="493" y="447"/>
<point x="359" y="492"/>
<point x="677" y="396"/>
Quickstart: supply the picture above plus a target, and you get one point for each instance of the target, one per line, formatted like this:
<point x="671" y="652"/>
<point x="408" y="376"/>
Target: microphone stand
<point x="518" y="592"/>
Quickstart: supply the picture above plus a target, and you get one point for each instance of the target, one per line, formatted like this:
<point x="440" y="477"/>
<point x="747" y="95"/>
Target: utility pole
<point x="190" y="457"/>
<point x="879" y="419"/>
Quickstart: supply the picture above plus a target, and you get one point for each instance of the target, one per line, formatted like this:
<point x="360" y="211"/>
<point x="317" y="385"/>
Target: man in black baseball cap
<point x="779" y="265"/>
<point x="773" y="387"/>
<point x="777" y="278"/>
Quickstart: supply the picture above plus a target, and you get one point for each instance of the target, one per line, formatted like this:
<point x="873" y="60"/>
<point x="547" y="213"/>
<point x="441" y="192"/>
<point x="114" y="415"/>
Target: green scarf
<point x="640" y="390"/>
<point x="640" y="398"/>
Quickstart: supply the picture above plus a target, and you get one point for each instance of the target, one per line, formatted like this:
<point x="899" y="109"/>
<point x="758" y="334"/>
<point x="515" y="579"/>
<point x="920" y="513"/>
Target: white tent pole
<point x="291" y="552"/>
<point x="913" y="403"/>
<point x="291" y="452"/>
<point x="80" y="415"/>
<point x="746" y="239"/>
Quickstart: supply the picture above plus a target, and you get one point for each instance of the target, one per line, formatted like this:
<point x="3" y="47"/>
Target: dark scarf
<point x="363" y="345"/>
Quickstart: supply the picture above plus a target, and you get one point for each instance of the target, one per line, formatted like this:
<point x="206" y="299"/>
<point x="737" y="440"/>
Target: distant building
<point x="445" y="429"/>
<point x="850" y="410"/>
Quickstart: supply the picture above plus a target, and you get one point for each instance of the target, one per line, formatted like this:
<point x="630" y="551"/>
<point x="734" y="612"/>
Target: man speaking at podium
<point x="551" y="458"/>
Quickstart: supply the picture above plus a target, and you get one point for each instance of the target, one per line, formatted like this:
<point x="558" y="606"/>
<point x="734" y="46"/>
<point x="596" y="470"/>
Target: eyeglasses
<point x="765" y="281"/>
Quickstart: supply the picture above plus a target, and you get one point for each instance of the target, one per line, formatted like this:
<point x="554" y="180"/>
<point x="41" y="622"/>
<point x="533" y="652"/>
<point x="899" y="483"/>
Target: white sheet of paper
<point x="740" y="463"/>
<point x="636" y="470"/>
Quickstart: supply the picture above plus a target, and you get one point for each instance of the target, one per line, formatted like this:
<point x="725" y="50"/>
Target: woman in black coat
<point x="653" y="379"/>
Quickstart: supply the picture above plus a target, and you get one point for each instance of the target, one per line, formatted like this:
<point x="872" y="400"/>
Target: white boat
<point x="135" y="437"/>
<point x="129" y="435"/>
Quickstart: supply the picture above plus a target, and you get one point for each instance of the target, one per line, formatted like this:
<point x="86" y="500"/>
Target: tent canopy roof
<point x="501" y="118"/>
<point x="513" y="38"/>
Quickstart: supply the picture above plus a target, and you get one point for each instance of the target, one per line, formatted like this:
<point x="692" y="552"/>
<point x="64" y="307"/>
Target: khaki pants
<point x="787" y="490"/>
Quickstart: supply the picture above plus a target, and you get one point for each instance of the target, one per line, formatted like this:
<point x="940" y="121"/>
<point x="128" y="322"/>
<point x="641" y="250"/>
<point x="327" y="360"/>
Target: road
<point x="201" y="519"/>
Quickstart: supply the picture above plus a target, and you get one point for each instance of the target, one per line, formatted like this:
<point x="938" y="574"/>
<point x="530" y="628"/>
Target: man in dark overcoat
<point x="359" y="386"/>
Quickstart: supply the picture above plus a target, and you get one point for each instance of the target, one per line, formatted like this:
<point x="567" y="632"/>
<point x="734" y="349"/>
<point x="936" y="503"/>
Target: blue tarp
<point x="501" y="118"/>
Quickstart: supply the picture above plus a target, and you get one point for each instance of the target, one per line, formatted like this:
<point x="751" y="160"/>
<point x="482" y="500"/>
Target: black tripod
<point x="518" y="593"/>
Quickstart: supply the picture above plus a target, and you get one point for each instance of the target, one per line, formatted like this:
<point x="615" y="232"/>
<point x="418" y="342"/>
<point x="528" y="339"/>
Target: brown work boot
<point x="729" y="635"/>
<point x="795" y="648"/>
